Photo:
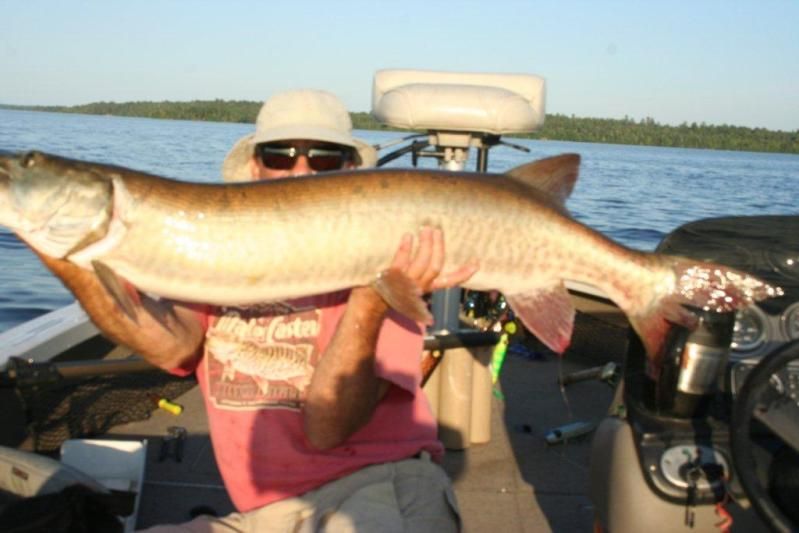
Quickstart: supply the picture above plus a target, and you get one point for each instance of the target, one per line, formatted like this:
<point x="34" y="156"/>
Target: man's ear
<point x="255" y="169"/>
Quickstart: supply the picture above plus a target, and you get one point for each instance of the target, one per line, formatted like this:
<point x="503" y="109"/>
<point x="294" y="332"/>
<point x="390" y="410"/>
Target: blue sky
<point x="718" y="62"/>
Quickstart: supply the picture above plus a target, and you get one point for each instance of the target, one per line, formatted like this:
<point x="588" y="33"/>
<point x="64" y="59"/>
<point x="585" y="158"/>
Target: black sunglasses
<point x="319" y="159"/>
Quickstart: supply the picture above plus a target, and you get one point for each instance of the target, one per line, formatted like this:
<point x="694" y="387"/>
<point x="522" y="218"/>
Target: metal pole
<point x="482" y="159"/>
<point x="446" y="310"/>
<point x="446" y="303"/>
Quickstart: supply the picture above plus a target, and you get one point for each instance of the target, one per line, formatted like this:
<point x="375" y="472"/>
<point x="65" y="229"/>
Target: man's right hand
<point x="426" y="264"/>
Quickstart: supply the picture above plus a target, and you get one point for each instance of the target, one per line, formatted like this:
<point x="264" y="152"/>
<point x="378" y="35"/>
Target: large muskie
<point x="238" y="244"/>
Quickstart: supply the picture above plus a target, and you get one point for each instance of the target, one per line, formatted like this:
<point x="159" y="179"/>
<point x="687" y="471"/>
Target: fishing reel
<point x="489" y="311"/>
<point x="485" y="310"/>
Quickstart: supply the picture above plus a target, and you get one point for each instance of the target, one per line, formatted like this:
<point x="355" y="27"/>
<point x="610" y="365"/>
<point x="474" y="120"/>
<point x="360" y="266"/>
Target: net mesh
<point x="91" y="407"/>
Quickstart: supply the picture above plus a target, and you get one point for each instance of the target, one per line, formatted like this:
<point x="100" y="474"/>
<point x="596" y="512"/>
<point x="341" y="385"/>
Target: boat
<point x="544" y="443"/>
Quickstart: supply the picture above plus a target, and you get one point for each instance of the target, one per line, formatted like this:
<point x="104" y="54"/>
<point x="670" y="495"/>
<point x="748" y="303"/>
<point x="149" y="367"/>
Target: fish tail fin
<point x="688" y="283"/>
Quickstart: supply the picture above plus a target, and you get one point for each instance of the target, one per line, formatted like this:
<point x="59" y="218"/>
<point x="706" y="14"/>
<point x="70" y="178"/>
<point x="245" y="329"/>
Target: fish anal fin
<point x="402" y="294"/>
<point x="555" y="175"/>
<point x="548" y="313"/>
<point x="123" y="293"/>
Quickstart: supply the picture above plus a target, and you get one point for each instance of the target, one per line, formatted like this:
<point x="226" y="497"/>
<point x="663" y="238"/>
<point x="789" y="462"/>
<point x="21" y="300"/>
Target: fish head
<point x="56" y="205"/>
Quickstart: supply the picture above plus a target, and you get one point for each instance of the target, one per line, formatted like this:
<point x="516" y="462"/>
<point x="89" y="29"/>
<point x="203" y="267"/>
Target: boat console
<point x="667" y="457"/>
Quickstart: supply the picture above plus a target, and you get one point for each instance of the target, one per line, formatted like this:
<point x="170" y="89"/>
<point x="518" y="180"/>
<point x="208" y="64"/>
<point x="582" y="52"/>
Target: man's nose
<point x="302" y="166"/>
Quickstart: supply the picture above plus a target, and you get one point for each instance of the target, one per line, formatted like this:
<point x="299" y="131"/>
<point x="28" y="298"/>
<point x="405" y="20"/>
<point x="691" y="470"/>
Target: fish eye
<point x="29" y="159"/>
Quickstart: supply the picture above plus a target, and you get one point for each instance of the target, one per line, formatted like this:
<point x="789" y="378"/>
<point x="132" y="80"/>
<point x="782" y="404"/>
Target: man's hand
<point x="345" y="390"/>
<point x="411" y="274"/>
<point x="424" y="267"/>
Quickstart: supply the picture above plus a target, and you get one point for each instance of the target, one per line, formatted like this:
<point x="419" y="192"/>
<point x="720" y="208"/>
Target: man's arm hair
<point x="345" y="389"/>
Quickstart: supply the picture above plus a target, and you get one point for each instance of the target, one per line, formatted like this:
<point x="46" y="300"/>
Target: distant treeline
<point x="556" y="127"/>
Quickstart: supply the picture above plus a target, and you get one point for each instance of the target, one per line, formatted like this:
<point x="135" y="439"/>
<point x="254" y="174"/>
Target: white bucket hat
<point x="297" y="114"/>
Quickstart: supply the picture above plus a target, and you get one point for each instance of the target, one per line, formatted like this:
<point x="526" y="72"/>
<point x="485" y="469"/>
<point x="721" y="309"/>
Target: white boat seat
<point x="451" y="101"/>
<point x="27" y="474"/>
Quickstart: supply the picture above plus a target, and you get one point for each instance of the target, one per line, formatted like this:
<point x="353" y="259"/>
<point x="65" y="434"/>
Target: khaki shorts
<point x="413" y="495"/>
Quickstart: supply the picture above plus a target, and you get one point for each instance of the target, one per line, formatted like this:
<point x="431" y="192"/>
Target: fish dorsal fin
<point x="555" y="175"/>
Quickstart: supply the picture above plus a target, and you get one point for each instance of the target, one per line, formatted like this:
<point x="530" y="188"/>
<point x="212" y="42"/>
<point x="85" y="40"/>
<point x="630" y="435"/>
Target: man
<point x="315" y="411"/>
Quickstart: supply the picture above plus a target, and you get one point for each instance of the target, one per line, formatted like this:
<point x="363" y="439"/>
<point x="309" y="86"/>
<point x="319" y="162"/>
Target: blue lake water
<point x="633" y="194"/>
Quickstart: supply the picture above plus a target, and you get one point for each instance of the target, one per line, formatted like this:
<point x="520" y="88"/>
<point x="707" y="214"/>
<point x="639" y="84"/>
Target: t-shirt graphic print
<point x="262" y="357"/>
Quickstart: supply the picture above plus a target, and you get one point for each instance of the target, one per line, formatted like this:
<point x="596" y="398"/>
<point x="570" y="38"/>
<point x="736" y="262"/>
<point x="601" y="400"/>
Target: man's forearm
<point x="344" y="390"/>
<point x="166" y="341"/>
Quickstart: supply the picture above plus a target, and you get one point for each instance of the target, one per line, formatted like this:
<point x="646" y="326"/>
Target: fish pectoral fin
<point x="124" y="294"/>
<point x="128" y="298"/>
<point x="548" y="313"/>
<point x="402" y="294"/>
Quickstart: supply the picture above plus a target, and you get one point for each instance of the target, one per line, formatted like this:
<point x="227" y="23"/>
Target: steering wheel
<point x="758" y="399"/>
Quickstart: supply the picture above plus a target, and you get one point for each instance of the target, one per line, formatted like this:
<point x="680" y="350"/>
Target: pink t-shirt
<point x="254" y="374"/>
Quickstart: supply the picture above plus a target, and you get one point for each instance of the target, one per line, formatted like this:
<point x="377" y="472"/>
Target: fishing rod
<point x="21" y="372"/>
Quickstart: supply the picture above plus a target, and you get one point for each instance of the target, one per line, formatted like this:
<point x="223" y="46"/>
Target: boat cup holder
<point x="693" y="367"/>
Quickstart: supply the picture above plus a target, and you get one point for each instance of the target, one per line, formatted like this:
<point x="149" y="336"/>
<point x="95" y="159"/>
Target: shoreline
<point x="557" y="127"/>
